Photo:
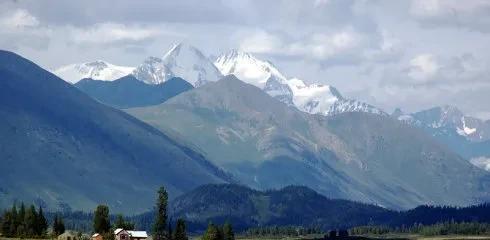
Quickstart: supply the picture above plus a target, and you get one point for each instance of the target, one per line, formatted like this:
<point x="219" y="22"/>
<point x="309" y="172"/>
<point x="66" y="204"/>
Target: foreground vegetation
<point x="439" y="229"/>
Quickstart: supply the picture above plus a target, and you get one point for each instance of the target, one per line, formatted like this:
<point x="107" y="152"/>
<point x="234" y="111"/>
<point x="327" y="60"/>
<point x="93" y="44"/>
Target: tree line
<point x="215" y="232"/>
<point x="282" y="231"/>
<point x="24" y="222"/>
<point x="444" y="228"/>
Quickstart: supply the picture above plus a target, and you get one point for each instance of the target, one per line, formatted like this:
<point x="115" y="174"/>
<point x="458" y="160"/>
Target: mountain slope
<point x="129" y="92"/>
<point x="61" y="149"/>
<point x="182" y="61"/>
<point x="448" y="125"/>
<point x="267" y="144"/>
<point x="301" y="206"/>
<point x="292" y="205"/>
<point x="97" y="70"/>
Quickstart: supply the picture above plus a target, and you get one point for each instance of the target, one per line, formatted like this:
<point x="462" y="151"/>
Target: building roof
<point x="95" y="235"/>
<point x="118" y="230"/>
<point x="138" y="234"/>
<point x="68" y="233"/>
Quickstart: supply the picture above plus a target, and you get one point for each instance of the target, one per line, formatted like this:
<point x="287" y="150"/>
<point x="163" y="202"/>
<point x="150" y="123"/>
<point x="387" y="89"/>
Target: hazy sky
<point x="408" y="54"/>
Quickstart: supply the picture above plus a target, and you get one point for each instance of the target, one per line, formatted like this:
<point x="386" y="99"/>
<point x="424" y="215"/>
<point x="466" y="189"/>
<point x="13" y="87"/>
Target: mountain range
<point x="301" y="206"/>
<point x="265" y="144"/>
<point x="465" y="135"/>
<point x="61" y="149"/>
<point x="291" y="205"/>
<point x="187" y="62"/>
<point x="262" y="129"/>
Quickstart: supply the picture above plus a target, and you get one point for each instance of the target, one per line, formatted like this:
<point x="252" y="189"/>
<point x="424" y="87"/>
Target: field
<point x="364" y="237"/>
<point x="383" y="237"/>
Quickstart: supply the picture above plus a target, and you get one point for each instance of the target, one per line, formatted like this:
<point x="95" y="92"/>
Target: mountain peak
<point x="182" y="60"/>
<point x="97" y="70"/>
<point x="182" y="48"/>
<point x="248" y="68"/>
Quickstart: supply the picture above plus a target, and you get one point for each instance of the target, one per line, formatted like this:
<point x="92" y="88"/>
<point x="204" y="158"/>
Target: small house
<point x="68" y="235"/>
<point x="97" y="236"/>
<point x="121" y="234"/>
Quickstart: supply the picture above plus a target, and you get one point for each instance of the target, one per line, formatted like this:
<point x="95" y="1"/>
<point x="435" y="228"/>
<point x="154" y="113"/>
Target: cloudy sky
<point x="407" y="54"/>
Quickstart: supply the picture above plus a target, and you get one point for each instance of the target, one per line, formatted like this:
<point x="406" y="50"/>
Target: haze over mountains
<point x="187" y="62"/>
<point x="466" y="135"/>
<point x="362" y="156"/>
<point x="262" y="129"/>
<point x="63" y="150"/>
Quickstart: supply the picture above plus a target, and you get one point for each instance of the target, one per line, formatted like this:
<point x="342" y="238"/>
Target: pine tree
<point x="160" y="224"/>
<point x="30" y="222"/>
<point x="169" y="231"/>
<point x="20" y="224"/>
<point x="121" y="223"/>
<point x="14" y="224"/>
<point x="58" y="225"/>
<point x="7" y="223"/>
<point x="228" y="233"/>
<point x="42" y="223"/>
<point x="101" y="223"/>
<point x="212" y="233"/>
<point x="180" y="230"/>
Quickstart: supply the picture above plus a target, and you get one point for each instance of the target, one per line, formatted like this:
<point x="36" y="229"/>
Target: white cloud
<point x="473" y="14"/>
<point x="341" y="46"/>
<point x="19" y="18"/>
<point x="261" y="41"/>
<point x="423" y="67"/>
<point x="481" y="162"/>
<point x="105" y="33"/>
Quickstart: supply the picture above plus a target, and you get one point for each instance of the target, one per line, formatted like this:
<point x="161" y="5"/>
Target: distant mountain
<point x="468" y="136"/>
<point x="310" y="98"/>
<point x="182" y="60"/>
<point x="61" y="149"/>
<point x="127" y="92"/>
<point x="97" y="70"/>
<point x="292" y="205"/>
<point x="360" y="156"/>
<point x="298" y="206"/>
<point x="449" y="118"/>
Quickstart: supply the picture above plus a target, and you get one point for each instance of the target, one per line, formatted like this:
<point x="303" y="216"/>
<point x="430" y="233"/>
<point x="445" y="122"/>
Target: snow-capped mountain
<point x="248" y="68"/>
<point x="448" y="119"/>
<point x="97" y="70"/>
<point x="181" y="60"/>
<point x="310" y="98"/>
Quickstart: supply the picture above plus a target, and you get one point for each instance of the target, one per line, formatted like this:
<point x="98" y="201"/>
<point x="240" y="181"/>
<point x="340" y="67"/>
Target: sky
<point x="412" y="54"/>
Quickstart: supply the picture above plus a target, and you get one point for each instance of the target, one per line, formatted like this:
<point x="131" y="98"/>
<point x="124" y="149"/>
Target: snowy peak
<point x="450" y="118"/>
<point x="310" y="98"/>
<point x="182" y="60"/>
<point x="248" y="68"/>
<point x="98" y="70"/>
<point x="152" y="71"/>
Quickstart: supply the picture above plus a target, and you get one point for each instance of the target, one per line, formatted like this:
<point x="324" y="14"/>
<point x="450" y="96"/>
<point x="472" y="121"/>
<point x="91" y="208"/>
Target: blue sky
<point x="407" y="54"/>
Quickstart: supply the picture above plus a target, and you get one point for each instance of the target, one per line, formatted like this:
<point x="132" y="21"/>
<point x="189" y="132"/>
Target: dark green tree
<point x="15" y="221"/>
<point x="30" y="222"/>
<point x="102" y="223"/>
<point x="212" y="233"/>
<point x="121" y="223"/>
<point x="169" y="230"/>
<point x="228" y="233"/>
<point x="8" y="224"/>
<point x="20" y="224"/>
<point x="58" y="225"/>
<point x="42" y="223"/>
<point x="160" y="224"/>
<point x="180" y="230"/>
